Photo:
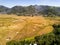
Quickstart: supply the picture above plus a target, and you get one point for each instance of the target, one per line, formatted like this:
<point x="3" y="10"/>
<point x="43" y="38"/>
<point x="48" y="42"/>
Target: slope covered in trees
<point x="31" y="10"/>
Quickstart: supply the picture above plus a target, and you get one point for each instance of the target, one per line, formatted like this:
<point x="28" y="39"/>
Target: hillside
<point x="14" y="27"/>
<point x="31" y="9"/>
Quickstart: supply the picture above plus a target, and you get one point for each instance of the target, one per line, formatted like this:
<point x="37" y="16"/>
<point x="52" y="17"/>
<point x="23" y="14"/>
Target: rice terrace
<point x="14" y="27"/>
<point x="29" y="22"/>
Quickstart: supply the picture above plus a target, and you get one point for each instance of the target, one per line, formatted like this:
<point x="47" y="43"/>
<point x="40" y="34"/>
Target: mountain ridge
<point x="32" y="9"/>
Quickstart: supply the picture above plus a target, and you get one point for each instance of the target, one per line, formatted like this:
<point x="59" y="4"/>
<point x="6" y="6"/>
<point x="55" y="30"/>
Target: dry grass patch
<point x="14" y="27"/>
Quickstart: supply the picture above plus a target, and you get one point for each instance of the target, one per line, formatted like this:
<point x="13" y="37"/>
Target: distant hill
<point x="43" y="9"/>
<point x="32" y="9"/>
<point x="4" y="9"/>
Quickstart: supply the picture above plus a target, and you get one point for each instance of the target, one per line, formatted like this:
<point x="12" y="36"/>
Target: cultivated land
<point x="14" y="27"/>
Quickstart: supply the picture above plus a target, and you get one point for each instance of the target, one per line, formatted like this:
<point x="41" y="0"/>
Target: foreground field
<point x="24" y="27"/>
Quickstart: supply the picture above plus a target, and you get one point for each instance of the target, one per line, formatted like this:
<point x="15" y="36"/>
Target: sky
<point x="11" y="3"/>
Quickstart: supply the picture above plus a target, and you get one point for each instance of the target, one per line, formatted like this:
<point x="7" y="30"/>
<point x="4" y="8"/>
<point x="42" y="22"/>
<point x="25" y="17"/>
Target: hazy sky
<point x="11" y="3"/>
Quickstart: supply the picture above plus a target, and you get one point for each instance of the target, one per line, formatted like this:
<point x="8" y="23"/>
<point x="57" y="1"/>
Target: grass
<point x="24" y="27"/>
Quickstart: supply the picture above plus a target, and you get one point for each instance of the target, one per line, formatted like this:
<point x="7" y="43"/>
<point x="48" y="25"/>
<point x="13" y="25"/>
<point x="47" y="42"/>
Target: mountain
<point x="4" y="9"/>
<point x="32" y="9"/>
<point x="17" y="9"/>
<point x="48" y="9"/>
<point x="41" y="8"/>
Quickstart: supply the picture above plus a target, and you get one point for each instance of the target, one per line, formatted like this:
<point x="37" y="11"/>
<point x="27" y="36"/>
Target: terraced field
<point x="14" y="27"/>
